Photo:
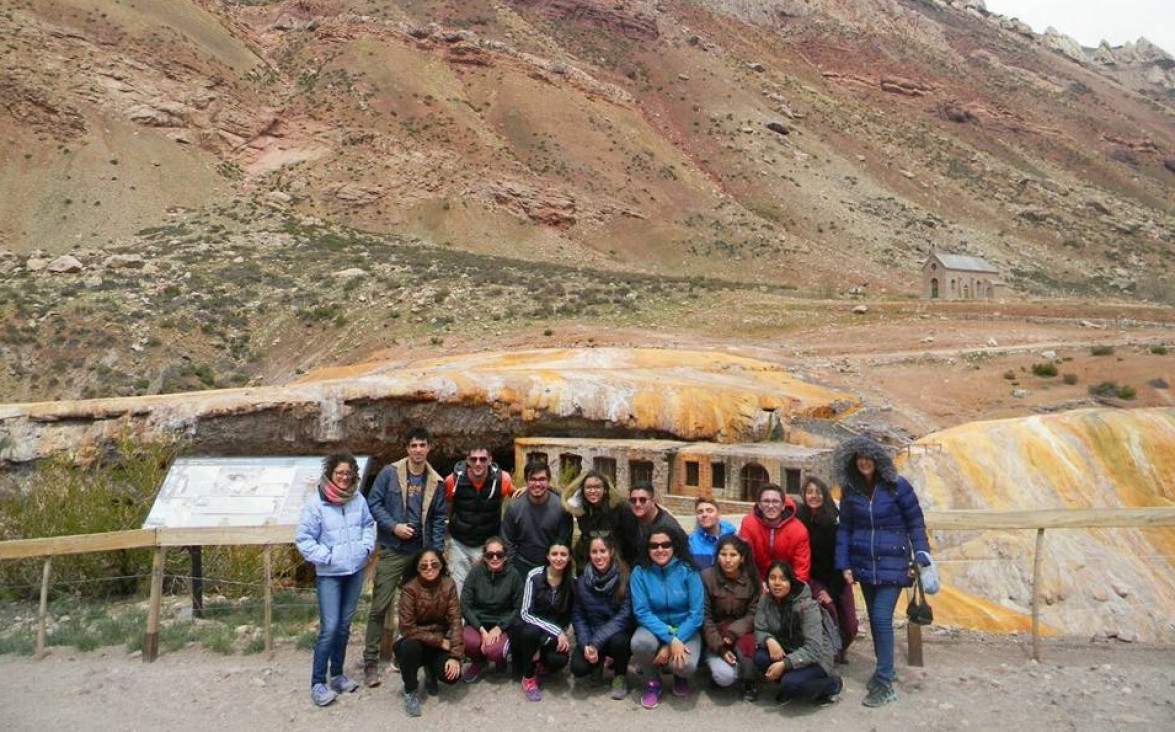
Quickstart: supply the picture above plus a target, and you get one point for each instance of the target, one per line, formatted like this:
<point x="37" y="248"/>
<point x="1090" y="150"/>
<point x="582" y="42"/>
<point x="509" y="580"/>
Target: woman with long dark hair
<point x="668" y="602"/>
<point x="430" y="628"/>
<point x="732" y="596"/>
<point x="489" y="601"/>
<point x="881" y="526"/>
<point x="539" y="635"/>
<point x="601" y="614"/>
<point x="818" y="512"/>
<point x="793" y="650"/>
<point x="596" y="505"/>
<point x="336" y="534"/>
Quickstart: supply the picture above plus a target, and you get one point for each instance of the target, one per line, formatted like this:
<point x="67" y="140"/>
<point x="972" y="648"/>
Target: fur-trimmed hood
<point x="845" y="463"/>
<point x="572" y="495"/>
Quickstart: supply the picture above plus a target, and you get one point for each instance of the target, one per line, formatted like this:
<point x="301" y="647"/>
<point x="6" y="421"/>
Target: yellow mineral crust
<point x="1094" y="581"/>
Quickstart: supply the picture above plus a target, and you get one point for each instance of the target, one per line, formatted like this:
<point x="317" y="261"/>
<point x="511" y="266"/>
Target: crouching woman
<point x="430" y="628"/>
<point x="792" y="649"/>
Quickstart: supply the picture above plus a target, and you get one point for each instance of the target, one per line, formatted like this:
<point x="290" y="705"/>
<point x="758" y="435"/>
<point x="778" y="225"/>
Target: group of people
<point x="484" y="575"/>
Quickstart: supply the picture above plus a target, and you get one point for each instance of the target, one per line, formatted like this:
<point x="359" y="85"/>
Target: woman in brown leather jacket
<point x="430" y="628"/>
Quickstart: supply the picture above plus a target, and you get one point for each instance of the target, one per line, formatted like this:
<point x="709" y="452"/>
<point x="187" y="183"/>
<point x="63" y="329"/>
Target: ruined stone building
<point x="730" y="472"/>
<point x="960" y="277"/>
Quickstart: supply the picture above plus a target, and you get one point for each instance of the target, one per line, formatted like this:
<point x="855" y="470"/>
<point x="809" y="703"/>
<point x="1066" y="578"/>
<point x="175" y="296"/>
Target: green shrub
<point x="1158" y="383"/>
<point x="1112" y="389"/>
<point x="1159" y="349"/>
<point x="1102" y="350"/>
<point x="1010" y="375"/>
<point x="60" y="498"/>
<point x="1069" y="379"/>
<point x="1044" y="370"/>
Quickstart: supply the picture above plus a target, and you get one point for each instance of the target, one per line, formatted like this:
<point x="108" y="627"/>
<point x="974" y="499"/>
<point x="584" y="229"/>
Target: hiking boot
<point x="472" y="672"/>
<point x="371" y="676"/>
<point x="750" y="691"/>
<point x="880" y="696"/>
<point x="343" y="684"/>
<point x="651" y="696"/>
<point x="321" y="694"/>
<point x="411" y="703"/>
<point x="531" y="690"/>
<point x="680" y="686"/>
<point x="782" y="700"/>
<point x="619" y="687"/>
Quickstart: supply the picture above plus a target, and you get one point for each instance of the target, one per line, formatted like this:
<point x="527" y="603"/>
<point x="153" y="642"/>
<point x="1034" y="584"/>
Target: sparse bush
<point x="1112" y="389"/>
<point x="1159" y="349"/>
<point x="1069" y="379"/>
<point x="1158" y="383"/>
<point x="1010" y="375"/>
<point x="1044" y="370"/>
<point x="1101" y="350"/>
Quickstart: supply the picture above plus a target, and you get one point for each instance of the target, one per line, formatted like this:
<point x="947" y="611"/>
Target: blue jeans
<point x="880" y="601"/>
<point x="337" y="598"/>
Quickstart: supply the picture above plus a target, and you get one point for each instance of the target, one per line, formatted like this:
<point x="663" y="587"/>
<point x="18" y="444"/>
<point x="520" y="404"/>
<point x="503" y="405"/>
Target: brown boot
<point x="371" y="674"/>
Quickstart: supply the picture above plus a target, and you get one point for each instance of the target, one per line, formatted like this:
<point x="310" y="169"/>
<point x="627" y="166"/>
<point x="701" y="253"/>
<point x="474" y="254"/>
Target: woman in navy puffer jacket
<point x="880" y="518"/>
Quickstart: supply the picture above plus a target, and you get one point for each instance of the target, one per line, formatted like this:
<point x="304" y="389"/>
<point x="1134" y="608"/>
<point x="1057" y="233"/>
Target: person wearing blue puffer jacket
<point x="881" y="526"/>
<point x="336" y="534"/>
<point x="668" y="602"/>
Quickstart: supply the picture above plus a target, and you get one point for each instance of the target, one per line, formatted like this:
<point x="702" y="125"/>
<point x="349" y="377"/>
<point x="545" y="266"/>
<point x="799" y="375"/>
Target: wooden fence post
<point x="151" y="641"/>
<point x="1036" y="561"/>
<point x="44" y="610"/>
<point x="267" y="562"/>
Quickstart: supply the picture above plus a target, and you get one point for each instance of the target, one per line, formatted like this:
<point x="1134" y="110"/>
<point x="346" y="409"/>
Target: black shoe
<point x="430" y="683"/>
<point x="782" y="699"/>
<point x="750" y="691"/>
<point x="824" y="700"/>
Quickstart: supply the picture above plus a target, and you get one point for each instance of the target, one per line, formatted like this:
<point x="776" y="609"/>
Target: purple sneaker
<point x="651" y="696"/>
<point x="531" y="690"/>
<point x="680" y="686"/>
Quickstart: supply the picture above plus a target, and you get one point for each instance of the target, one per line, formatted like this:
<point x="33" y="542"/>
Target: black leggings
<point x="412" y="655"/>
<point x="525" y="640"/>
<point x="618" y="647"/>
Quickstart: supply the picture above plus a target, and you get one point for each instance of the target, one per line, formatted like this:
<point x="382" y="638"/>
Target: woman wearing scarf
<point x="335" y="533"/>
<point x="601" y="613"/>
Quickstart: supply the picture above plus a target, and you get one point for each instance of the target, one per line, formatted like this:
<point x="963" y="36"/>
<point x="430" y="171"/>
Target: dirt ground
<point x="970" y="681"/>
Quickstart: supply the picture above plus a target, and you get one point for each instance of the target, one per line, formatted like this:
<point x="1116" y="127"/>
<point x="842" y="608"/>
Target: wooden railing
<point x="268" y="536"/>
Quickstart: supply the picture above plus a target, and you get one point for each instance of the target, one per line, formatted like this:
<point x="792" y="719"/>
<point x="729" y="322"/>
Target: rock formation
<point x="1104" y="582"/>
<point x="489" y="397"/>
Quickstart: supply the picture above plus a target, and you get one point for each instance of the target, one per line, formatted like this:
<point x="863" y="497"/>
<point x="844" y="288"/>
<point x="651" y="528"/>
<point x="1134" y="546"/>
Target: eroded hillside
<point x="249" y="152"/>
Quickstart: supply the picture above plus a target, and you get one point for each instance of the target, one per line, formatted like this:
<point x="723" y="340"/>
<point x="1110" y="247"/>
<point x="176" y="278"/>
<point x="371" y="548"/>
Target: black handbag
<point x="918" y="611"/>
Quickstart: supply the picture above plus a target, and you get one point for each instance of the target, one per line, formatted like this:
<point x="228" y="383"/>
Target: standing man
<point x="703" y="540"/>
<point x="474" y="492"/>
<point x="535" y="521"/>
<point x="641" y="520"/>
<point x="409" y="510"/>
<point x="774" y="532"/>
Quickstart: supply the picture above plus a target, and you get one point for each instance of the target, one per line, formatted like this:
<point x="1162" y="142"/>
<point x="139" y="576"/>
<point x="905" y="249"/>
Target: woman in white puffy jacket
<point x="335" y="533"/>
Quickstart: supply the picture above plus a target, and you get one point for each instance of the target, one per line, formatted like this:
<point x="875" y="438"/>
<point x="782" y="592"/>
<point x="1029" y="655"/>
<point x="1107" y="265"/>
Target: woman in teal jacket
<point x="668" y="602"/>
<point x="336" y="534"/>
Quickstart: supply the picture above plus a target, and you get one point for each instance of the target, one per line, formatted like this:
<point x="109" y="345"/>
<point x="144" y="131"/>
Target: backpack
<point x="831" y="630"/>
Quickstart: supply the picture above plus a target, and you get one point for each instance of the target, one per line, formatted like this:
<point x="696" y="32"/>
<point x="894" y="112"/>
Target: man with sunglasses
<point x="409" y="511"/>
<point x="474" y="492"/>
<point x="641" y="519"/>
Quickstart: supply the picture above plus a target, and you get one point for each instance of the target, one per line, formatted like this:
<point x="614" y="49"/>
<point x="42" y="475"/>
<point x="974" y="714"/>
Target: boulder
<point x="65" y="264"/>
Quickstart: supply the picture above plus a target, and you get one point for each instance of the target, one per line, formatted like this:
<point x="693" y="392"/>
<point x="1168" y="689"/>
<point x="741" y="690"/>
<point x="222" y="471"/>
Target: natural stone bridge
<point x="487" y="398"/>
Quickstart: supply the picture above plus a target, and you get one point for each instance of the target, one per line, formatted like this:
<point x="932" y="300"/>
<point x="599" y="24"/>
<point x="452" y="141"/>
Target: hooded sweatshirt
<point x="787" y="541"/>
